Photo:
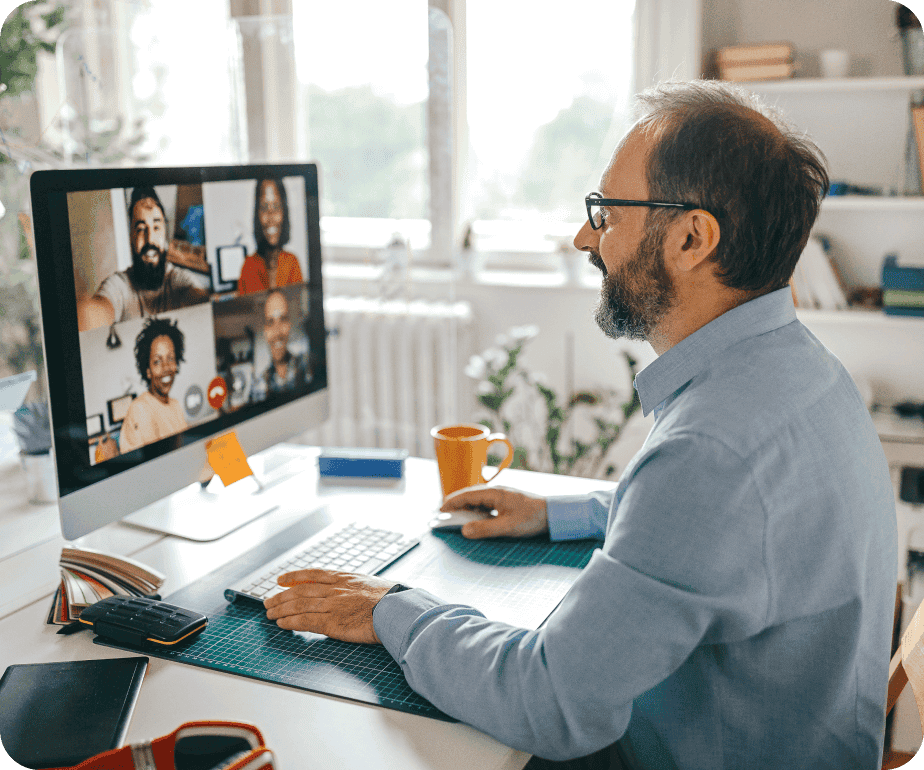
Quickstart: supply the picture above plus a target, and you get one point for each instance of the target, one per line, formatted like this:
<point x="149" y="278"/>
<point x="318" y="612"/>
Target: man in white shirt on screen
<point x="151" y="285"/>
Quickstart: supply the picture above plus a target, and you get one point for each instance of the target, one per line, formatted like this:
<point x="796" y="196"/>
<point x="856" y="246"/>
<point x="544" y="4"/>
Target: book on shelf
<point x="903" y="298"/>
<point x="87" y="576"/>
<point x="917" y="120"/>
<point x="757" y="71"/>
<point x="735" y="55"/>
<point x="815" y="282"/>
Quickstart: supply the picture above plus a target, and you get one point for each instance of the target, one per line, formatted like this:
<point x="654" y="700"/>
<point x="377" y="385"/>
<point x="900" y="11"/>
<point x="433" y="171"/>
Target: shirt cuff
<point x="573" y="517"/>
<point x="395" y="615"/>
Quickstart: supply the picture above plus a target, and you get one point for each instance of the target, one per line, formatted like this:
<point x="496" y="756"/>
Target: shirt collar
<point x="677" y="366"/>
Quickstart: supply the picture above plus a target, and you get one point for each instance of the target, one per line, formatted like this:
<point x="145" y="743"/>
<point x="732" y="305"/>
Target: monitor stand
<point x="209" y="512"/>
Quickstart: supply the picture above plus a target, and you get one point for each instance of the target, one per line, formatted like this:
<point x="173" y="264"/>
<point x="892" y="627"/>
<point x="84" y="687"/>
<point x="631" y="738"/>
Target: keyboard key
<point x="370" y="567"/>
<point x="365" y="550"/>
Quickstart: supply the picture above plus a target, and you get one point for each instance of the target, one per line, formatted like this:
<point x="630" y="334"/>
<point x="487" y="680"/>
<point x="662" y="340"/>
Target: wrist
<point x="395" y="589"/>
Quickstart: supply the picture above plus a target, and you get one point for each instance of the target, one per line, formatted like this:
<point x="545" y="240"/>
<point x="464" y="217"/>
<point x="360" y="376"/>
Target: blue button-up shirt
<point x="739" y="612"/>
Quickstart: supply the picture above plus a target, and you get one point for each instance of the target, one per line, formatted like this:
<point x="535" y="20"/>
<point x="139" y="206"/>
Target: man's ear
<point x="695" y="237"/>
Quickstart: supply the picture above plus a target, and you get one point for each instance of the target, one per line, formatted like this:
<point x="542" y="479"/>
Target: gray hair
<point x="719" y="147"/>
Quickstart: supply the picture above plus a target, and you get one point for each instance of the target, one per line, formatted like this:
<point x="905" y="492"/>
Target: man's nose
<point x="586" y="238"/>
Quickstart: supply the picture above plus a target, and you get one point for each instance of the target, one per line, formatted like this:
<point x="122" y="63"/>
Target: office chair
<point x="907" y="666"/>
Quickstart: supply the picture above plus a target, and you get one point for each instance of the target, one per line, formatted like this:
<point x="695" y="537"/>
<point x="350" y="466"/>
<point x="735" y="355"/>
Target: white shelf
<point x="879" y="203"/>
<point x="867" y="318"/>
<point x="832" y="85"/>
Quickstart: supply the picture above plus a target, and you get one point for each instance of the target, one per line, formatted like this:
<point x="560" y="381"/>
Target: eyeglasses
<point x="596" y="203"/>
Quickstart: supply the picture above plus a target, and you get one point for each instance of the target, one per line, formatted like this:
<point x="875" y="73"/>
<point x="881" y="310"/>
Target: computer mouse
<point x="453" y="520"/>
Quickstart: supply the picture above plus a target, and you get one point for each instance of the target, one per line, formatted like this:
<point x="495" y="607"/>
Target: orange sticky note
<point x="227" y="458"/>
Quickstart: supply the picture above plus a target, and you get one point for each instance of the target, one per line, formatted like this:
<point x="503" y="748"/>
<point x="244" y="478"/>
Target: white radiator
<point x="394" y="370"/>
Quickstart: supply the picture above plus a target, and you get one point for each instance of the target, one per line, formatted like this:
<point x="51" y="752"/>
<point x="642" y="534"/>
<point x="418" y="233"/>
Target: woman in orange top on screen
<point x="270" y="266"/>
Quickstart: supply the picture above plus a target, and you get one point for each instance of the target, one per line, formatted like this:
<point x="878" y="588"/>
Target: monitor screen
<point x="178" y="304"/>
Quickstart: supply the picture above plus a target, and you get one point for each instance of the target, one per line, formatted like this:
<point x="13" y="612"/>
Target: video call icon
<point x="218" y="392"/>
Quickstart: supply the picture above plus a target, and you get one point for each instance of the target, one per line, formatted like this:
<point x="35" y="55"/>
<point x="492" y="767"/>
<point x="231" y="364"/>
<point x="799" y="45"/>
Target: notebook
<point x="59" y="714"/>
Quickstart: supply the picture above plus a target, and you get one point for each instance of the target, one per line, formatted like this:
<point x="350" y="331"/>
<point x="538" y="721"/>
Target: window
<point x="142" y="76"/>
<point x="363" y="66"/>
<point x="543" y="88"/>
<point x="547" y="89"/>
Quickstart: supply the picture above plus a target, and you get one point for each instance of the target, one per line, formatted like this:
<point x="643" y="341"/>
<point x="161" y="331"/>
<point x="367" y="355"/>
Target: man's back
<point x="792" y="667"/>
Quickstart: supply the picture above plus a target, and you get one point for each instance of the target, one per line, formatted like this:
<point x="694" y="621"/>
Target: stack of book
<point x="88" y="576"/>
<point x="815" y="283"/>
<point x="765" y="61"/>
<point x="902" y="288"/>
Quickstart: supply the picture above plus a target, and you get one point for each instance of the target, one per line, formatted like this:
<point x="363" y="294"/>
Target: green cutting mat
<point x="530" y="576"/>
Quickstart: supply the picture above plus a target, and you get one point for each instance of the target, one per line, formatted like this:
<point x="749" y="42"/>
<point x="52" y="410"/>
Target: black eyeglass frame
<point x="595" y="199"/>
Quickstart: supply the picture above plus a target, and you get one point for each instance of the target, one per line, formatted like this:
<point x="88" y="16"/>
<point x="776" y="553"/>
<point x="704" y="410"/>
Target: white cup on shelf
<point x="834" y="62"/>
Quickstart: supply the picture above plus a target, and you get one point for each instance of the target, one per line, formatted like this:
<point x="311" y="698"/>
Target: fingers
<point x="480" y="496"/>
<point x="308" y="576"/>
<point x="493" y="527"/>
<point x="336" y="604"/>
<point x="290" y="603"/>
<point x="499" y="526"/>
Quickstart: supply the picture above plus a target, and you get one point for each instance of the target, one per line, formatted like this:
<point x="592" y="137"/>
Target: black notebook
<point x="59" y="714"/>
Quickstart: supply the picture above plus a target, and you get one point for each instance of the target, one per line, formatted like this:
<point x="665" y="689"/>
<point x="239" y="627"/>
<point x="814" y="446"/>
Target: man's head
<point x="159" y="349"/>
<point x="271" y="215"/>
<point x="757" y="185"/>
<point x="277" y="326"/>
<point x="148" y="238"/>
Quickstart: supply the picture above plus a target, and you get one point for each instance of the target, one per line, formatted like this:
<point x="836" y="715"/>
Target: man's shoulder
<point x="176" y="278"/>
<point x="119" y="280"/>
<point x="753" y="390"/>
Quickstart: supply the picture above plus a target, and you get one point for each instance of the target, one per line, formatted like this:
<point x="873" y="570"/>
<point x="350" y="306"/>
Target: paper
<point x="227" y="458"/>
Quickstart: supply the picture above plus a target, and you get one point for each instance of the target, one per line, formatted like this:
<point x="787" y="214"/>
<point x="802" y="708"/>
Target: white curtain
<point x="668" y="41"/>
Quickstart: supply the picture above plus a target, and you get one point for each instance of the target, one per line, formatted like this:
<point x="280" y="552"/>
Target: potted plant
<point x="572" y="438"/>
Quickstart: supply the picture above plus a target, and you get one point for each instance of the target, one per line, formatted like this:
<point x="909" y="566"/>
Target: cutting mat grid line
<point x="240" y="640"/>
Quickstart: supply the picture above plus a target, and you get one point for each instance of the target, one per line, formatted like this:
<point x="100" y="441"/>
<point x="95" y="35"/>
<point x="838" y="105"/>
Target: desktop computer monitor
<point x="161" y="333"/>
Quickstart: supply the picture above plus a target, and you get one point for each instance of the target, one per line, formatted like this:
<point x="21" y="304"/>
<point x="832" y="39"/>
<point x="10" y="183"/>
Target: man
<point x="285" y="370"/>
<point x="152" y="284"/>
<point x="739" y="611"/>
<point x="154" y="415"/>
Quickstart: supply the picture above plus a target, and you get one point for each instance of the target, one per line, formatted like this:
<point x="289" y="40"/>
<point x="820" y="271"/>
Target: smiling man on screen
<point x="739" y="611"/>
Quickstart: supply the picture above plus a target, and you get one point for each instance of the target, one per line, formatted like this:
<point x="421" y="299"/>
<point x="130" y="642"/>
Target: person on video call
<point x="286" y="370"/>
<point x="739" y="611"/>
<point x="151" y="284"/>
<point x="270" y="266"/>
<point x="154" y="414"/>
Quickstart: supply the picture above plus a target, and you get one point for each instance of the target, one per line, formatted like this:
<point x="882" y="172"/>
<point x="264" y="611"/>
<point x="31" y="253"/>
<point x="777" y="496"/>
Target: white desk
<point x="305" y="730"/>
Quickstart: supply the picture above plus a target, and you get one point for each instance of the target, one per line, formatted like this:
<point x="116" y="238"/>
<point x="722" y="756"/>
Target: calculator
<point x="138" y="620"/>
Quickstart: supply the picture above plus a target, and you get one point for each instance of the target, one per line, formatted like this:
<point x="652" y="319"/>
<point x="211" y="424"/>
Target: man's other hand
<point x="518" y="514"/>
<point x="336" y="604"/>
<point x="94" y="312"/>
<point x="106" y="449"/>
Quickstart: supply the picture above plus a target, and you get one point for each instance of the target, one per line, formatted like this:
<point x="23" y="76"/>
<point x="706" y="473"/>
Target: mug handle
<point x="506" y="461"/>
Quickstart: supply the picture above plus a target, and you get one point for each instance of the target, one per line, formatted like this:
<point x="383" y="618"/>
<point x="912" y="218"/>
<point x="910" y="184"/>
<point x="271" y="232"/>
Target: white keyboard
<point x="351" y="548"/>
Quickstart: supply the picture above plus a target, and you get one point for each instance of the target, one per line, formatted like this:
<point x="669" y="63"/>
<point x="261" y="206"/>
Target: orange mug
<point x="462" y="453"/>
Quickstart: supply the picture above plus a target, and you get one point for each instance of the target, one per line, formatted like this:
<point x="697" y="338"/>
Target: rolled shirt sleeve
<point x="675" y="571"/>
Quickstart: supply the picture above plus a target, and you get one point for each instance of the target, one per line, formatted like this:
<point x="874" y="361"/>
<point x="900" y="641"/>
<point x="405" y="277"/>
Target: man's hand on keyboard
<point x="518" y="514"/>
<point x="336" y="604"/>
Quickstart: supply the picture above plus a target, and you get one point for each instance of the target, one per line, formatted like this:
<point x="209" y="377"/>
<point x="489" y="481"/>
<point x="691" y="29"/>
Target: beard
<point x="147" y="276"/>
<point x="637" y="296"/>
